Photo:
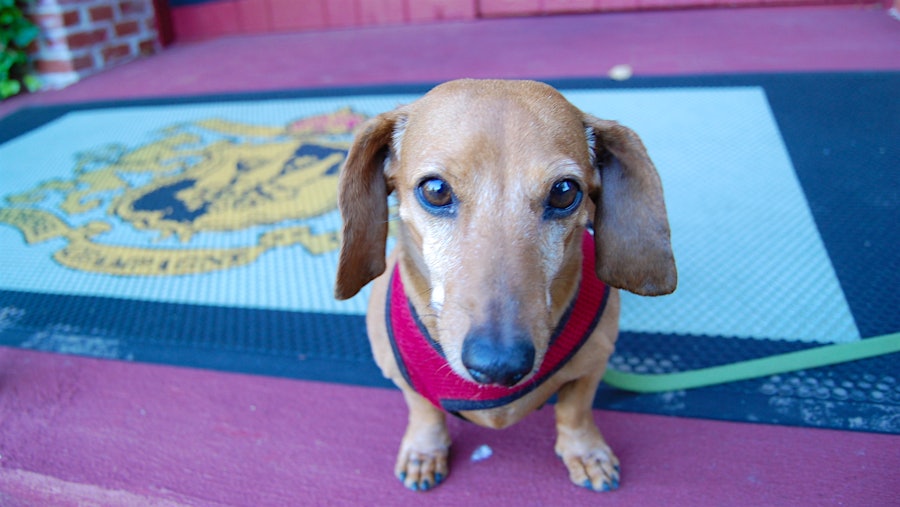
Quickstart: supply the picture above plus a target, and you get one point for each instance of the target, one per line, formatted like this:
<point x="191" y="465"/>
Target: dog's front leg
<point x="590" y="460"/>
<point x="423" y="459"/>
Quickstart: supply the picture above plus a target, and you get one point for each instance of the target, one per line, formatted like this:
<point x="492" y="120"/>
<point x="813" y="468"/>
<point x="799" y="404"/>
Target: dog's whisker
<point x="447" y="371"/>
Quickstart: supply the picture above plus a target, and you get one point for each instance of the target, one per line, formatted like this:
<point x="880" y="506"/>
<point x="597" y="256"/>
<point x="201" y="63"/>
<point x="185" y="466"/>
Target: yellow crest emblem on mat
<point x="200" y="179"/>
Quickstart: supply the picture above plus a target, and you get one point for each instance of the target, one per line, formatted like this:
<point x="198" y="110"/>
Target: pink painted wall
<point x="225" y="17"/>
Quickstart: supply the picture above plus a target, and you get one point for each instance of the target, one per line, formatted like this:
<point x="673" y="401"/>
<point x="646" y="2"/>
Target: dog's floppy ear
<point x="363" y="189"/>
<point x="631" y="230"/>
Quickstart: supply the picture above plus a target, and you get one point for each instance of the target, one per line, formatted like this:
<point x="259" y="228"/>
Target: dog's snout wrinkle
<point x="501" y="360"/>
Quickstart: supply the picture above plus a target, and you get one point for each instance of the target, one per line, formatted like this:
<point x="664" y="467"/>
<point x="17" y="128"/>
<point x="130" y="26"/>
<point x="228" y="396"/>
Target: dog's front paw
<point x="423" y="460"/>
<point x="422" y="471"/>
<point x="591" y="464"/>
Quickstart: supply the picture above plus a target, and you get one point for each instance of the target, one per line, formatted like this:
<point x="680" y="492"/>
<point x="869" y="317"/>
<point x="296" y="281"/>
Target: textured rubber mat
<point x="202" y="231"/>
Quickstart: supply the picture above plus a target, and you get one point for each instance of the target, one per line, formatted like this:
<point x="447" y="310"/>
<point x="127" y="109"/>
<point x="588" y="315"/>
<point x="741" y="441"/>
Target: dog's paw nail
<point x="603" y="487"/>
<point x="438" y="478"/>
<point x="617" y="468"/>
<point x="610" y="485"/>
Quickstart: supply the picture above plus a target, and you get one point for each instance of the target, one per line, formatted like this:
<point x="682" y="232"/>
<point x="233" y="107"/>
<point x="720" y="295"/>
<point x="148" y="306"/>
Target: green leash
<point x="755" y="368"/>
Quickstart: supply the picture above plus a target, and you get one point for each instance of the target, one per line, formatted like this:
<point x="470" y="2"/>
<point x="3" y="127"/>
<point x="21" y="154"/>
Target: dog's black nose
<point x="497" y="361"/>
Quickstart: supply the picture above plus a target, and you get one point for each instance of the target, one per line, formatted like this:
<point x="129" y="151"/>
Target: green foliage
<point x="16" y="34"/>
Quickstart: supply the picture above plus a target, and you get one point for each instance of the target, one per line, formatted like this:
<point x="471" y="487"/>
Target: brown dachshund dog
<point x="519" y="217"/>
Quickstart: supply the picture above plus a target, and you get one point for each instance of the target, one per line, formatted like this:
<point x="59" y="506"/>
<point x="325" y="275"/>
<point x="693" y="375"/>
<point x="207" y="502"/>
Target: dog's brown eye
<point x="436" y="196"/>
<point x="565" y="195"/>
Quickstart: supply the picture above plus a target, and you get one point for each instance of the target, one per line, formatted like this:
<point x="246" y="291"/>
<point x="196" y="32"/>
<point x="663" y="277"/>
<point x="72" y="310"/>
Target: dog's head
<point x="496" y="181"/>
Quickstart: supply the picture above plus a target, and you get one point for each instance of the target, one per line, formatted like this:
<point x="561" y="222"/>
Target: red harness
<point x="425" y="368"/>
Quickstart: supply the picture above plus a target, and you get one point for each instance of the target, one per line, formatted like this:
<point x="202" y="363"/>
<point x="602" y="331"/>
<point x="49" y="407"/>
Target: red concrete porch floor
<point x="653" y="43"/>
<point x="87" y="432"/>
<point x="77" y="431"/>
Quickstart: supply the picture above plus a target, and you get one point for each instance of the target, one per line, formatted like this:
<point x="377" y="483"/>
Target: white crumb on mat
<point x="482" y="453"/>
<point x="621" y="72"/>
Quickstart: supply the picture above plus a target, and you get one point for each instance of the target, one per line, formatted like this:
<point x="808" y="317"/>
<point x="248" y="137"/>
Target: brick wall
<point x="80" y="37"/>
